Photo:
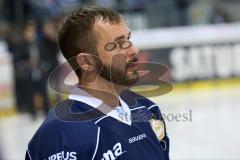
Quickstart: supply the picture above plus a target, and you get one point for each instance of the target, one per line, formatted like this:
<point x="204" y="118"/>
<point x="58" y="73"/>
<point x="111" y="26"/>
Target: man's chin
<point x="132" y="78"/>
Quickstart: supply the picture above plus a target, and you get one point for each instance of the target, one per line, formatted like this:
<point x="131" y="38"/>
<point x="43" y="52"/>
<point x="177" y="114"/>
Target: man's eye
<point x="110" y="46"/>
<point x="129" y="37"/>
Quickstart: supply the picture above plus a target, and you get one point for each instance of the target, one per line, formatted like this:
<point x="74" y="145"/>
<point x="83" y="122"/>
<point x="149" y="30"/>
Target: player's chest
<point x="121" y="141"/>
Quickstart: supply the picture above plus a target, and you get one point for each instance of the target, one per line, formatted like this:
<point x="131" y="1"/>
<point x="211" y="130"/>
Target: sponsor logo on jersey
<point x="63" y="156"/>
<point x="114" y="153"/>
<point x="158" y="128"/>
<point x="137" y="138"/>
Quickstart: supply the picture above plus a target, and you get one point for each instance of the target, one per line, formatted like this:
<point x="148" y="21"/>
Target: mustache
<point x="130" y="62"/>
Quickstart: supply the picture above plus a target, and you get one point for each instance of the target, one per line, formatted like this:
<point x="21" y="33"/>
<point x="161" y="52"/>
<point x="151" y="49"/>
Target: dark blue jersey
<point x="63" y="136"/>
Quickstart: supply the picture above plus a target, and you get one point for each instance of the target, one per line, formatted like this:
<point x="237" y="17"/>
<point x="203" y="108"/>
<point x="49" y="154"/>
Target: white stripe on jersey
<point x="96" y="148"/>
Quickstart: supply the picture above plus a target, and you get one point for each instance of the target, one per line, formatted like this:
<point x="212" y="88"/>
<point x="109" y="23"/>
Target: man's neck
<point x="104" y="90"/>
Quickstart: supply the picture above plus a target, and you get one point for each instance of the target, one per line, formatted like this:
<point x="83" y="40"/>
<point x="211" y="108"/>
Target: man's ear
<point x="85" y="61"/>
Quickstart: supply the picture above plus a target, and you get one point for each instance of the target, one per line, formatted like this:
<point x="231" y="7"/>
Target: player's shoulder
<point x="136" y="100"/>
<point x="66" y="115"/>
<point x="61" y="130"/>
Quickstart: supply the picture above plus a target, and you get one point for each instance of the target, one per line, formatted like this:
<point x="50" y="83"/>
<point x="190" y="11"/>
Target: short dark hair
<point x="77" y="34"/>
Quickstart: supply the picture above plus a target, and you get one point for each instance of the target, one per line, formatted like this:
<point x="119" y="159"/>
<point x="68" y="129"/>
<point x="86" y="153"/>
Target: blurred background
<point x="198" y="40"/>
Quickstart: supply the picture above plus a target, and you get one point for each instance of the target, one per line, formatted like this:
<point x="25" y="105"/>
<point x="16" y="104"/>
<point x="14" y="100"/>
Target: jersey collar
<point x="121" y="113"/>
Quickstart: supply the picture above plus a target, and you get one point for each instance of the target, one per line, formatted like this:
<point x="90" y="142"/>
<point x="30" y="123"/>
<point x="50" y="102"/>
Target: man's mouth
<point x="132" y="65"/>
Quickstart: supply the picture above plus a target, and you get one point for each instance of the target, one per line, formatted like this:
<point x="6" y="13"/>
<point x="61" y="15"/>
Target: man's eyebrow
<point x="121" y="37"/>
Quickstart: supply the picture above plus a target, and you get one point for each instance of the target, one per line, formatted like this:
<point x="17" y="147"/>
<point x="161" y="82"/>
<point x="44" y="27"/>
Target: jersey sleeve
<point x="158" y="123"/>
<point x="156" y="119"/>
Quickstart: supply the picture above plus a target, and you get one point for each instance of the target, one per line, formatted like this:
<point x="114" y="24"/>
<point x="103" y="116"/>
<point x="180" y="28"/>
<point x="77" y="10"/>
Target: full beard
<point x="119" y="75"/>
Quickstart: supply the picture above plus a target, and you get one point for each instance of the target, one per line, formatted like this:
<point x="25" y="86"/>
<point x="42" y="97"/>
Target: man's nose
<point x="133" y="51"/>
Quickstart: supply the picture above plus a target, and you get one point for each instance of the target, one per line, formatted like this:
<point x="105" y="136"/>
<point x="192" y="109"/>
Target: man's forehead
<point x="106" y="28"/>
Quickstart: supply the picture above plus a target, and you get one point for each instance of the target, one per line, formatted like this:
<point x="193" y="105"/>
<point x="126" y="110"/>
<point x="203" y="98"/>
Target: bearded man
<point x="101" y="119"/>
